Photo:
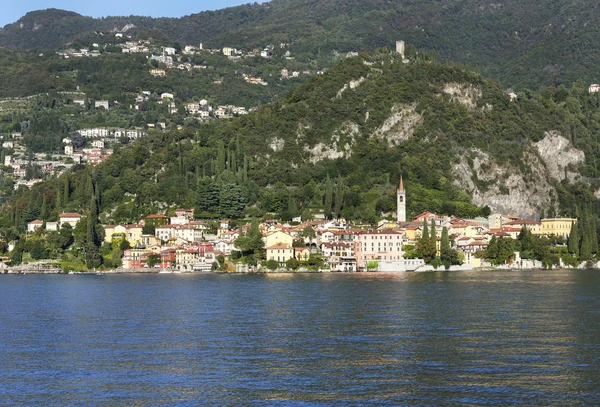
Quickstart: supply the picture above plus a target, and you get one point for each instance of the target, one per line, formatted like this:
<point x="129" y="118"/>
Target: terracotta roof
<point x="156" y="216"/>
<point x="133" y="226"/>
<point x="69" y="215"/>
<point x="279" y="246"/>
<point x="36" y="222"/>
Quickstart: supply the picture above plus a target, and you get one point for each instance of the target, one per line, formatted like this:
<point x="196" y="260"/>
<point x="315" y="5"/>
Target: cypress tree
<point x="44" y="210"/>
<point x="245" y="175"/>
<point x="328" y="198"/>
<point x="573" y="241"/>
<point x="339" y="197"/>
<point x="66" y="192"/>
<point x="433" y="232"/>
<point x="425" y="234"/>
<point x="58" y="201"/>
<point x="220" y="158"/>
<point x="292" y="207"/>
<point x="585" y="248"/>
<point x="593" y="234"/>
<point x="445" y="244"/>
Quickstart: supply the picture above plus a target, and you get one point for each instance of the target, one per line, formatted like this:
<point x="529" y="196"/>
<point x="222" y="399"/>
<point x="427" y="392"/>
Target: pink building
<point x="378" y="245"/>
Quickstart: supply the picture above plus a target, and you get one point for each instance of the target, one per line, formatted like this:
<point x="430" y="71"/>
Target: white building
<point x="101" y="103"/>
<point x="69" y="217"/>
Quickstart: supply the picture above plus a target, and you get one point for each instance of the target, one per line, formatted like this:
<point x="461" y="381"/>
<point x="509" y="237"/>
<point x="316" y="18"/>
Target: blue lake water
<point x="426" y="339"/>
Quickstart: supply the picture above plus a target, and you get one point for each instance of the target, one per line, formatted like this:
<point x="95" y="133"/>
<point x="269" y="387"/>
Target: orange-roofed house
<point x="71" y="218"/>
<point x="280" y="252"/>
<point x="35" y="225"/>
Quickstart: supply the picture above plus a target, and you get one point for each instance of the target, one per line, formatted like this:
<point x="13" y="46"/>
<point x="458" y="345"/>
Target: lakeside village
<point x="180" y="243"/>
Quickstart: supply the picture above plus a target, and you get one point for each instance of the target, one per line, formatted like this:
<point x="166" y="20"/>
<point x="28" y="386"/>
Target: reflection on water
<point x="438" y="339"/>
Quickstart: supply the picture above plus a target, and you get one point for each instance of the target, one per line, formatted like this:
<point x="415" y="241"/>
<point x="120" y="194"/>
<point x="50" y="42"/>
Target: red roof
<point x="156" y="216"/>
<point x="69" y="215"/>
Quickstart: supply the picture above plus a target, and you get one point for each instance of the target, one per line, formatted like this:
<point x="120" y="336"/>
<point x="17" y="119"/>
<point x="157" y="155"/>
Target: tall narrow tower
<point x="400" y="48"/>
<point x="401" y="198"/>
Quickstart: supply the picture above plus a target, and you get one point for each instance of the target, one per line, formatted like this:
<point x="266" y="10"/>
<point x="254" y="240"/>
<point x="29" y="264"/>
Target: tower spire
<point x="401" y="201"/>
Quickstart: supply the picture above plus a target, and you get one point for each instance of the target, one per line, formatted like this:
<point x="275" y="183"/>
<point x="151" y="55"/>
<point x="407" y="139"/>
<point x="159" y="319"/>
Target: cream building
<point x="557" y="226"/>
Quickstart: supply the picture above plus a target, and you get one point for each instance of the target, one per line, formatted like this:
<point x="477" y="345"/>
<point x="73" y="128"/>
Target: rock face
<point x="342" y="141"/>
<point x="277" y="144"/>
<point x="464" y="93"/>
<point x="560" y="157"/>
<point x="401" y="125"/>
<point x="350" y="85"/>
<point x="506" y="189"/>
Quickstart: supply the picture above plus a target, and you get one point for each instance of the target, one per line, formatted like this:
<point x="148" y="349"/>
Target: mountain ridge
<point x="523" y="44"/>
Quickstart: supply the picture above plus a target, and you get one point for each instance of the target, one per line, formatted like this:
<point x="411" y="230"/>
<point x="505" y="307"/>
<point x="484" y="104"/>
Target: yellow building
<point x="557" y="226"/>
<point x="278" y="237"/>
<point x="280" y="252"/>
<point x="412" y="233"/>
<point x="301" y="253"/>
<point x="132" y="233"/>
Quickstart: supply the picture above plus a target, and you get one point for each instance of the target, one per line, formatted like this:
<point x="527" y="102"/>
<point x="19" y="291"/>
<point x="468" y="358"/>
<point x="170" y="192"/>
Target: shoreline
<point x="171" y="272"/>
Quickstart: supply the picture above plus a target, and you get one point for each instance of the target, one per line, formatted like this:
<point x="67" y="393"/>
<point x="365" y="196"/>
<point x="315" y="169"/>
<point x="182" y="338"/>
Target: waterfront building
<point x="378" y="245"/>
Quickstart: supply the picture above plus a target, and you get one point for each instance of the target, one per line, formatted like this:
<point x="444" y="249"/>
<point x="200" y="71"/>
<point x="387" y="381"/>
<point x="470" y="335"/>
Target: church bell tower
<point x="401" y="201"/>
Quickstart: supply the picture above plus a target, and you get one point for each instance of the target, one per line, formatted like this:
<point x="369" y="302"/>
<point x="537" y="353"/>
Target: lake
<point x="368" y="339"/>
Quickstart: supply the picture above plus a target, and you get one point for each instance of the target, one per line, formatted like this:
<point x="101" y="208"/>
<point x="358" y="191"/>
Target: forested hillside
<point x="522" y="43"/>
<point x="338" y="144"/>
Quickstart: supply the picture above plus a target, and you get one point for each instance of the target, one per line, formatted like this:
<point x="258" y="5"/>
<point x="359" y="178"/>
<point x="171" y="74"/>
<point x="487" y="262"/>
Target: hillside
<point x="522" y="43"/>
<point x="338" y="144"/>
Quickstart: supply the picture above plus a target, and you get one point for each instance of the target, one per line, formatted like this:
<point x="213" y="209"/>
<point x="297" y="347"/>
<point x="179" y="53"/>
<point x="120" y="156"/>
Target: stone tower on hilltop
<point x="400" y="48"/>
<point x="401" y="201"/>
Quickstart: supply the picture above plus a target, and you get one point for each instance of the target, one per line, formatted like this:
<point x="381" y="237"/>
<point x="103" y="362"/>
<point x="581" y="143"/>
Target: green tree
<point x="425" y="234"/>
<point x="327" y="206"/>
<point x="573" y="241"/>
<point x="292" y="264"/>
<point x="152" y="260"/>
